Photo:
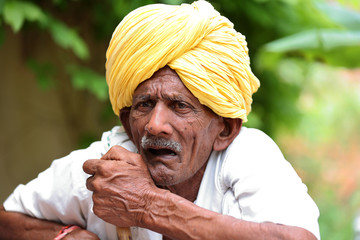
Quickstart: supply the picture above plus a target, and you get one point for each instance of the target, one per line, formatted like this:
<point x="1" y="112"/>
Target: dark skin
<point x="156" y="187"/>
<point x="19" y="226"/>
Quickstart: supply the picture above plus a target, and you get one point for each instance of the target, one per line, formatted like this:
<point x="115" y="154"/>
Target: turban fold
<point x="209" y="56"/>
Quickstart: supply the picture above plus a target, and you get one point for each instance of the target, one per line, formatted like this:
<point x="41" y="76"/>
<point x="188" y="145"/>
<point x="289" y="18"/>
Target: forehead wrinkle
<point x="142" y="97"/>
<point x="157" y="92"/>
<point x="171" y="97"/>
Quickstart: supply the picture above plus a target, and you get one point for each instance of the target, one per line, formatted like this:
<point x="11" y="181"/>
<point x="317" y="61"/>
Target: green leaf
<point x="85" y="79"/>
<point x="17" y="12"/>
<point x="68" y="38"/>
<point x="333" y="46"/>
<point x="340" y="15"/>
<point x="172" y="2"/>
<point x="2" y="3"/>
<point x="323" y="39"/>
<point x="13" y="16"/>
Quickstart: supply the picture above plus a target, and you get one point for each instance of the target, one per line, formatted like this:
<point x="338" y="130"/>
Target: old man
<point x="182" y="166"/>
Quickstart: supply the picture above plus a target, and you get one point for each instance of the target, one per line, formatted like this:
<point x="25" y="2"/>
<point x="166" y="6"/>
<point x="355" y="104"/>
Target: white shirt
<point x="250" y="180"/>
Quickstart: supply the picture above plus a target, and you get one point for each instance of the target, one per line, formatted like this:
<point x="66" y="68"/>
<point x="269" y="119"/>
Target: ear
<point x="231" y="129"/>
<point x="124" y="116"/>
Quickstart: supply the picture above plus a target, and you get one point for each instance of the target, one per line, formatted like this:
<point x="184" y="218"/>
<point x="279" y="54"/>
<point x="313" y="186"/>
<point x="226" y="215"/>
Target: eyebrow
<point x="173" y="98"/>
<point x="144" y="97"/>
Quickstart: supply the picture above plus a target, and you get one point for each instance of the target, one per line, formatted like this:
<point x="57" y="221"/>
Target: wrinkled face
<point x="172" y="130"/>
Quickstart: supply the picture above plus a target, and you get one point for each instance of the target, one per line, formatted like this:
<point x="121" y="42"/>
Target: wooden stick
<point x="123" y="233"/>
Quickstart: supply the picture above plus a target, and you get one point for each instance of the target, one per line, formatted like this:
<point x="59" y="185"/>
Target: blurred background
<point x="306" y="53"/>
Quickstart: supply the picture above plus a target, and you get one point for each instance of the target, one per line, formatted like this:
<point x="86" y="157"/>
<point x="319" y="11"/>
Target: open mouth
<point x="160" y="147"/>
<point x="162" y="152"/>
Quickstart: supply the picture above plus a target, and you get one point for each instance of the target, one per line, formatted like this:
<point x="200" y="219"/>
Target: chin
<point x="164" y="178"/>
<point x="163" y="175"/>
<point x="163" y="181"/>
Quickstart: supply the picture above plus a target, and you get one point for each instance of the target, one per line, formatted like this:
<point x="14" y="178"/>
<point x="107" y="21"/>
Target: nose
<point x="159" y="121"/>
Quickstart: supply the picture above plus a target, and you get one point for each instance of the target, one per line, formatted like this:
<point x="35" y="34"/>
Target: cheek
<point x="137" y="127"/>
<point x="202" y="140"/>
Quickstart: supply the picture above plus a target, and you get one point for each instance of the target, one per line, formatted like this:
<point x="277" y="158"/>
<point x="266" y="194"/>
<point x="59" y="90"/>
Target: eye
<point x="181" y="107"/>
<point x="144" y="105"/>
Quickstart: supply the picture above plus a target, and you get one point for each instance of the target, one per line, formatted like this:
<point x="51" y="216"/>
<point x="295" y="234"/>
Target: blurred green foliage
<point x="285" y="39"/>
<point x="309" y="30"/>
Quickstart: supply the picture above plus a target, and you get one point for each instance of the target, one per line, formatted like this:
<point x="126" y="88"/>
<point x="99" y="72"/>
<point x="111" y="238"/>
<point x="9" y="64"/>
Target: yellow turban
<point x="209" y="56"/>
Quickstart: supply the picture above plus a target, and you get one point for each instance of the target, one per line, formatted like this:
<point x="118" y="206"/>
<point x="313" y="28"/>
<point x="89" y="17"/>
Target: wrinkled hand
<point x="81" y="234"/>
<point x="122" y="188"/>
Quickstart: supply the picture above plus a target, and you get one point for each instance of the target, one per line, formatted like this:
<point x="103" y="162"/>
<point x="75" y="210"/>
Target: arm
<point x="125" y="195"/>
<point x="15" y="225"/>
<point x="55" y="195"/>
<point x="188" y="221"/>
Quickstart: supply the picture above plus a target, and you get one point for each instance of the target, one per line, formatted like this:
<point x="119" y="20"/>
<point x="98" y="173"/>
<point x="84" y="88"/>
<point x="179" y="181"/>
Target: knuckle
<point x="116" y="149"/>
<point x="93" y="185"/>
<point x="89" y="184"/>
<point x="96" y="186"/>
<point x="86" y="166"/>
<point x="114" y="153"/>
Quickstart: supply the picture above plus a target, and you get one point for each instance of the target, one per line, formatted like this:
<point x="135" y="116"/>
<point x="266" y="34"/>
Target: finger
<point x="89" y="183"/>
<point x="115" y="153"/>
<point x="90" y="166"/>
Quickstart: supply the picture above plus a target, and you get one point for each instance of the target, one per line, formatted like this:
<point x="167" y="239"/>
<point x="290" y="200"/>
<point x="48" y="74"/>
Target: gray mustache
<point x="152" y="142"/>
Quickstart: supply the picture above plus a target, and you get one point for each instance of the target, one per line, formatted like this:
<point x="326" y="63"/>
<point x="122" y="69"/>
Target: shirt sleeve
<point x="264" y="186"/>
<point x="59" y="193"/>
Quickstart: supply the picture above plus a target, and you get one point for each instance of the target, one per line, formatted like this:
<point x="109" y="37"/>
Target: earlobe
<point x="125" y="120"/>
<point x="231" y="129"/>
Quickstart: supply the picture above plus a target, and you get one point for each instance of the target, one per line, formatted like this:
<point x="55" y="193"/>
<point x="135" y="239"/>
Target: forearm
<point x="20" y="226"/>
<point x="178" y="218"/>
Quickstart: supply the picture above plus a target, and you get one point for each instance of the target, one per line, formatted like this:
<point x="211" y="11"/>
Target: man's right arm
<point x="15" y="225"/>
